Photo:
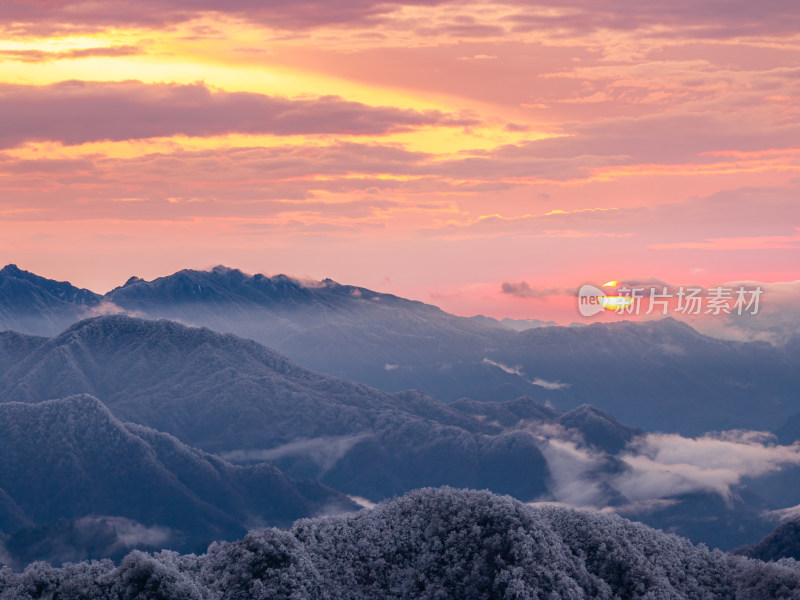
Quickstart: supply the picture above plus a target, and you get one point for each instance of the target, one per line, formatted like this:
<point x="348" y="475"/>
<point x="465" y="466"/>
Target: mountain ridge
<point x="396" y="344"/>
<point x="251" y="405"/>
<point x="71" y="459"/>
<point x="223" y="394"/>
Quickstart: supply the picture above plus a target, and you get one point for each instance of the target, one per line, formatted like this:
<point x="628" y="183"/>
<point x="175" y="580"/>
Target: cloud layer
<point x="490" y="156"/>
<point x="719" y="18"/>
<point x="76" y="112"/>
<point x="661" y="467"/>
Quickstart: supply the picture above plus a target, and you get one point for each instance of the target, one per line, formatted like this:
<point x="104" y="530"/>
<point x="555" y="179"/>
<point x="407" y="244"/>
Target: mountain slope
<point x="71" y="465"/>
<point x="34" y="304"/>
<point x="14" y="345"/>
<point x="784" y="542"/>
<point x="431" y="544"/>
<point x="352" y="332"/>
<point x="233" y="396"/>
<point x="190" y="381"/>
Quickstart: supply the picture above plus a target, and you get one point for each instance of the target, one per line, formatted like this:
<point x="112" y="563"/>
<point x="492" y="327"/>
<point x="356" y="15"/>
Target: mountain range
<point x="233" y="396"/>
<point x="250" y="405"/>
<point x="660" y="375"/>
<point x="236" y="404"/>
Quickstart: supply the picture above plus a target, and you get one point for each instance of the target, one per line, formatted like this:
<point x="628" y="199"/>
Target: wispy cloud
<point x="510" y="370"/>
<point x="40" y="56"/>
<point x="324" y="452"/>
<point x="549" y="385"/>
<point x="517" y="370"/>
<point x="363" y="502"/>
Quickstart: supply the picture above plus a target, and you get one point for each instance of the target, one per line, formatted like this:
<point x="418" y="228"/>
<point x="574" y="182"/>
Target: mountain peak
<point x="122" y="325"/>
<point x="599" y="428"/>
<point x="33" y="304"/>
<point x="11" y="270"/>
<point x="132" y="280"/>
<point x="223" y="270"/>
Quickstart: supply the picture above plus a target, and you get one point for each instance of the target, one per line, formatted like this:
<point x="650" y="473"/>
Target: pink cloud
<point x="712" y="18"/>
<point x="39" y="56"/>
<point x="764" y="242"/>
<point x="74" y="112"/>
<point x="33" y="15"/>
<point x="745" y="213"/>
<point x="660" y="139"/>
<point x="232" y="182"/>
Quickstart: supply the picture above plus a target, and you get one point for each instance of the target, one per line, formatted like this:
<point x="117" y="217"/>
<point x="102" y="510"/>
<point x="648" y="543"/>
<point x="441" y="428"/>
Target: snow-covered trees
<point x="432" y="543"/>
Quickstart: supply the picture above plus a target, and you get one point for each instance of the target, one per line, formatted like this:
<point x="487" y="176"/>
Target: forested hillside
<point x="432" y="543"/>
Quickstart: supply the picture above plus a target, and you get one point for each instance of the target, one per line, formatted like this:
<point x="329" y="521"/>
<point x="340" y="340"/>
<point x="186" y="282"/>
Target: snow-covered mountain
<point x="233" y="396"/>
<point x="76" y="482"/>
<point x="659" y="375"/>
<point x="251" y="405"/>
<point x="33" y="304"/>
<point x="432" y="543"/>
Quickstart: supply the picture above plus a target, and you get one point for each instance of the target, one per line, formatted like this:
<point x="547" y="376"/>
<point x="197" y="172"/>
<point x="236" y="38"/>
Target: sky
<point x="486" y="157"/>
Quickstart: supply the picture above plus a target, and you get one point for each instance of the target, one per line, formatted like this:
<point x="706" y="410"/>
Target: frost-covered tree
<point x="434" y="544"/>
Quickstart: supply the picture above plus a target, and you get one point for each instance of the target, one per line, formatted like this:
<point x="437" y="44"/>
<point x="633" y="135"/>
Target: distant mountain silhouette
<point x="70" y="468"/>
<point x="432" y="543"/>
<point x="662" y="375"/>
<point x="34" y="304"/>
<point x="659" y="375"/>
<point x="379" y="339"/>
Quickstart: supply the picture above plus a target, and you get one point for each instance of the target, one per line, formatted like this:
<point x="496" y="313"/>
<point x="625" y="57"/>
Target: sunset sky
<point x="436" y="150"/>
